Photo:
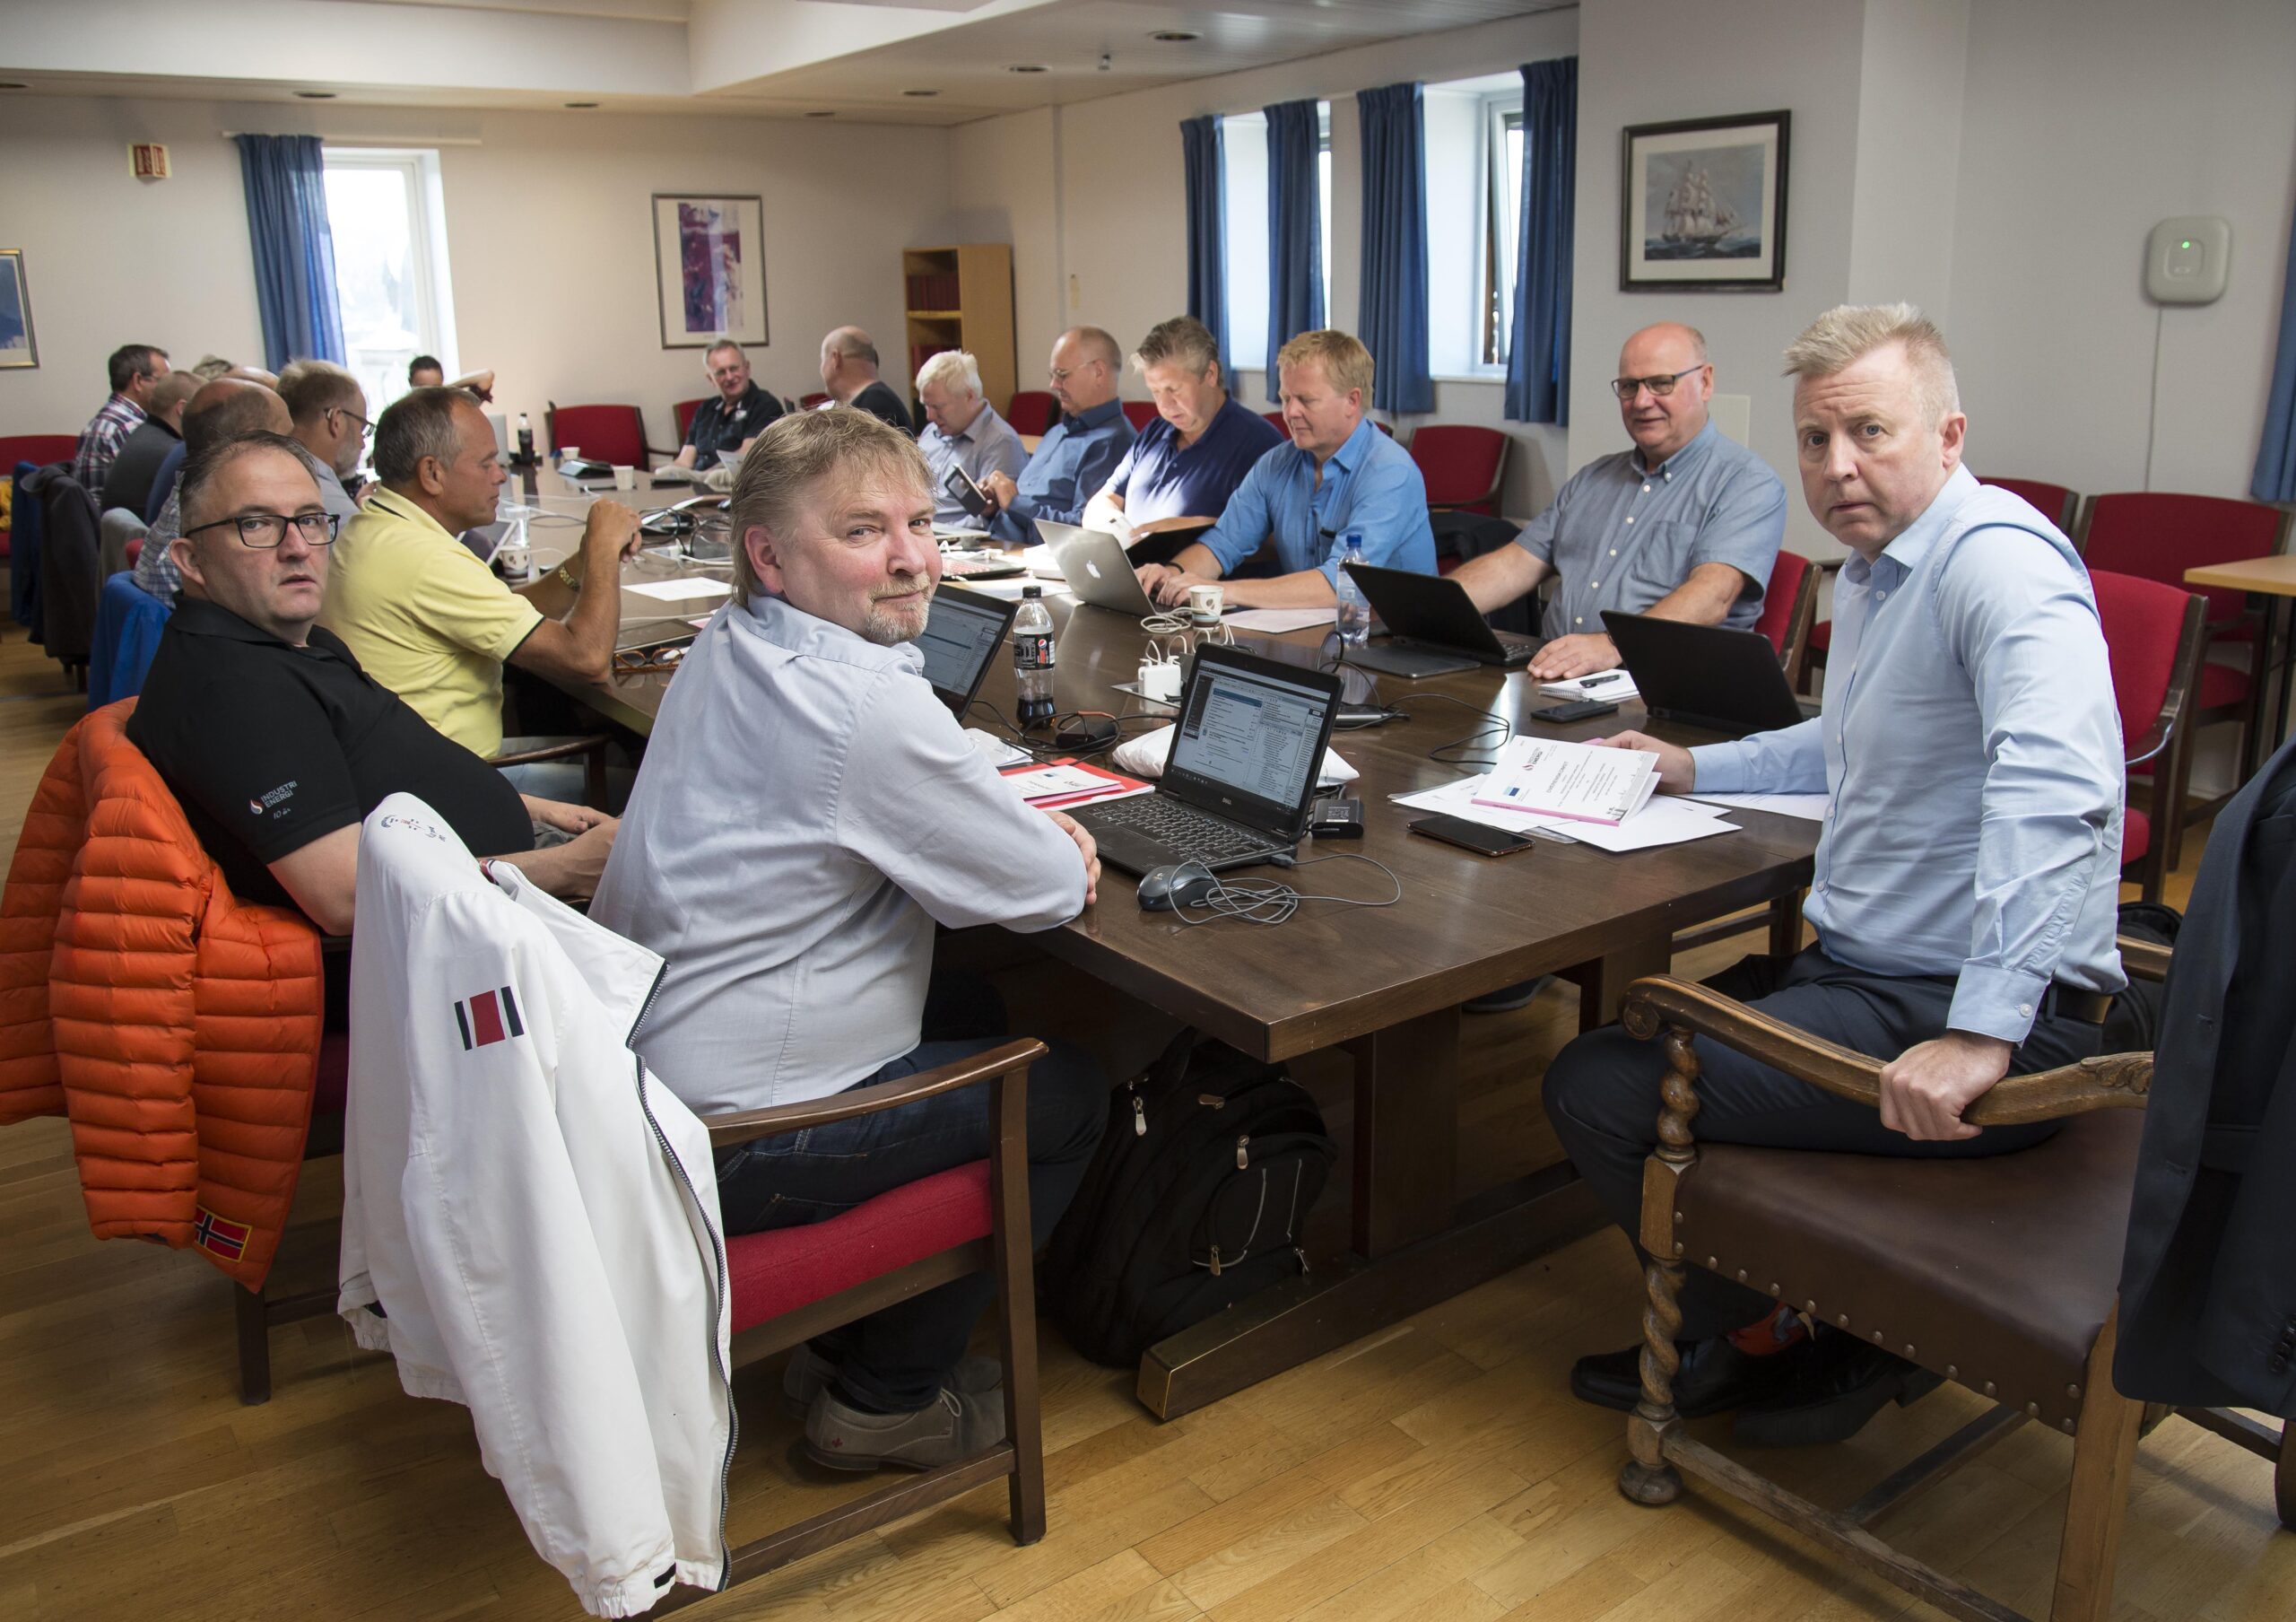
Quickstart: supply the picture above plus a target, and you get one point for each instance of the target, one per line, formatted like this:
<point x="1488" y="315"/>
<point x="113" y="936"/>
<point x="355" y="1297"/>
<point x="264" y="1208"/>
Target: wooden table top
<point x="1466" y="924"/>
<point x="2267" y="576"/>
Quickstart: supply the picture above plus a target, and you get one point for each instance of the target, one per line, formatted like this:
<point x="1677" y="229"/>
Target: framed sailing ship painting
<point x="1702" y="205"/>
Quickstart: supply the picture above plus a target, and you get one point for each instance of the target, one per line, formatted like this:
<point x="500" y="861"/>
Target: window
<point x="1501" y="212"/>
<point x="1323" y="192"/>
<point x="1243" y="144"/>
<point x="1475" y="183"/>
<point x="385" y="210"/>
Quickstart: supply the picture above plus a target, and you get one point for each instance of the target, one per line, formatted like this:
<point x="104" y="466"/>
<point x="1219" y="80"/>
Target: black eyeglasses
<point x="265" y="530"/>
<point x="1626" y="388"/>
<point x="366" y="426"/>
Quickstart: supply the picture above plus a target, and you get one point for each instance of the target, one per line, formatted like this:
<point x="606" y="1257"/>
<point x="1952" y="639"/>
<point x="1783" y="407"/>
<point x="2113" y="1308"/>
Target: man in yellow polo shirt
<point x="419" y="611"/>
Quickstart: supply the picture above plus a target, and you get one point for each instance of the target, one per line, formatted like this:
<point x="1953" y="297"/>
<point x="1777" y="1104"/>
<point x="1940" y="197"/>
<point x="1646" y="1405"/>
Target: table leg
<point x="1406" y="1131"/>
<point x="1603" y="982"/>
<point x="1785" y="923"/>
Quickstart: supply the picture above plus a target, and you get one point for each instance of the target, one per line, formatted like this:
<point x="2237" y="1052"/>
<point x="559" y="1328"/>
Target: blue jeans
<point x="896" y="1360"/>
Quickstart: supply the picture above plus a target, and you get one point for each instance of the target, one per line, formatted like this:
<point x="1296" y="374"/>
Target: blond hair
<point x="952" y="368"/>
<point x="1344" y="360"/>
<point x="1849" y="333"/>
<point x="793" y="453"/>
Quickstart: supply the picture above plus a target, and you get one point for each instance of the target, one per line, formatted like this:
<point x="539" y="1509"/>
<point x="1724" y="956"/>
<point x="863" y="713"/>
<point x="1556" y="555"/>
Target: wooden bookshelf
<point x="961" y="298"/>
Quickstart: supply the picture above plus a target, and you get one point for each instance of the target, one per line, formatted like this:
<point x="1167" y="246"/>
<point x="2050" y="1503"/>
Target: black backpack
<point x="1207" y="1173"/>
<point x="2134" y="1025"/>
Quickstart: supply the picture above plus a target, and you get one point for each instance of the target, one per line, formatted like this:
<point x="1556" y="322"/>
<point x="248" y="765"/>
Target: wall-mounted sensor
<point x="2185" y="259"/>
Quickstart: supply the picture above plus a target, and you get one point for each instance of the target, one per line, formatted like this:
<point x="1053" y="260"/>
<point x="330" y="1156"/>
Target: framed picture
<point x="710" y="269"/>
<point x="19" y="349"/>
<point x="1702" y="204"/>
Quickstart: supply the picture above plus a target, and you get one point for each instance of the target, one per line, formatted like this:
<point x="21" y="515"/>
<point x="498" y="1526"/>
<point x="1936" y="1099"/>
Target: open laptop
<point x="1431" y="614"/>
<point x="1241" y="776"/>
<point x="1093" y="563"/>
<point x="962" y="632"/>
<point x="1705" y="677"/>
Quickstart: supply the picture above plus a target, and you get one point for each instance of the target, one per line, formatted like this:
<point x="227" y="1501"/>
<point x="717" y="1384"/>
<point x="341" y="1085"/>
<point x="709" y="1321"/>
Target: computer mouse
<point x="1162" y="889"/>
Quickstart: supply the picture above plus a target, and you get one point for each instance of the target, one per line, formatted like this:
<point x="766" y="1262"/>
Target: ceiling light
<point x="583" y="106"/>
<point x="315" y="95"/>
<point x="1173" y="36"/>
<point x="823" y="113"/>
<point x="920" y="93"/>
<point x="1027" y="67"/>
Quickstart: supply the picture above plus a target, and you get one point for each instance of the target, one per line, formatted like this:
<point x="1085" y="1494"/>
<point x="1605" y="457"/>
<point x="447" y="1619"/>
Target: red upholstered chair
<point x="2154" y="634"/>
<point x="1462" y="466"/>
<point x="1275" y="421"/>
<point x="1789" y="611"/>
<point x="1140" y="414"/>
<point x="2054" y="502"/>
<point x="605" y="434"/>
<point x="807" y="402"/>
<point x="1032" y="411"/>
<point x="684" y="411"/>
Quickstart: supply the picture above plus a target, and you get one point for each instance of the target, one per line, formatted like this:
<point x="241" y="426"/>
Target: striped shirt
<point x="100" y="440"/>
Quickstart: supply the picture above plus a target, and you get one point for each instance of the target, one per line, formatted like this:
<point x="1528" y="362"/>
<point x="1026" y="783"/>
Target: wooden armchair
<point x="591" y="747"/>
<point x="2031" y="1327"/>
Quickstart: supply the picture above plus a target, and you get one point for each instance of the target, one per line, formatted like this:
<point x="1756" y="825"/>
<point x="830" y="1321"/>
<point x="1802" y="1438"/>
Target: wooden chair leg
<point x="1647" y="1478"/>
<point x="1016" y="1305"/>
<point x="253" y="1317"/>
<point x="2104" y="1458"/>
<point x="2283" y="1479"/>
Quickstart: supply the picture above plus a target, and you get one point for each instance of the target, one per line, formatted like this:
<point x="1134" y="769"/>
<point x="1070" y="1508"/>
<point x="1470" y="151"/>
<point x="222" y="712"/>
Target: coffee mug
<point x="625" y="478"/>
<point x="569" y="453"/>
<point x="514" y="560"/>
<point x="1204" y="604"/>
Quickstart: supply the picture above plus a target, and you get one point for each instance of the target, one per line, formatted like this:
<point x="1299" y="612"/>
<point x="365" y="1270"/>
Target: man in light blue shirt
<point x="962" y="431"/>
<point x="1075" y="458"/>
<point x="1339" y="473"/>
<point x="1967" y="880"/>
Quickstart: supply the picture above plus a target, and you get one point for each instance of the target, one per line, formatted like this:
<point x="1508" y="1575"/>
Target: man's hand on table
<point x="1925" y="1088"/>
<point x="1567" y="657"/>
<point x="1676" y="771"/>
<point x="1090" y="850"/>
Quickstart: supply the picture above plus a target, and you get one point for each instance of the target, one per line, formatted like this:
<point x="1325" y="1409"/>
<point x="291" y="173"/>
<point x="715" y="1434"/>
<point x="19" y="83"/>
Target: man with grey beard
<point x="807" y="812"/>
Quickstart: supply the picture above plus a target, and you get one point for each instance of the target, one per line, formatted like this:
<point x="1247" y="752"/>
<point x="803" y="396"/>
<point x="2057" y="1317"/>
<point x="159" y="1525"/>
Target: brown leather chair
<point x="2012" y="1291"/>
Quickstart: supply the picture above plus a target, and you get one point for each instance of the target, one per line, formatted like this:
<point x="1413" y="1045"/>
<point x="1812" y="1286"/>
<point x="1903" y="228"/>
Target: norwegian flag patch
<point x="219" y="1236"/>
<point x="491" y="1017"/>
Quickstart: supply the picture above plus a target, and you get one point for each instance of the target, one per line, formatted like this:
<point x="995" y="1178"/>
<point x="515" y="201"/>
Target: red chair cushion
<point x="1820" y="634"/>
<point x="134" y="551"/>
<point x="2135" y="835"/>
<point x="684" y="411"/>
<point x="2157" y="535"/>
<point x="2143" y="621"/>
<point x="1140" y="414"/>
<point x="1459" y="462"/>
<point x="1778" y="598"/>
<point x="605" y="434"/>
<point x="2052" y="502"/>
<point x="783" y="1268"/>
<point x="2222" y="685"/>
<point x="1032" y="410"/>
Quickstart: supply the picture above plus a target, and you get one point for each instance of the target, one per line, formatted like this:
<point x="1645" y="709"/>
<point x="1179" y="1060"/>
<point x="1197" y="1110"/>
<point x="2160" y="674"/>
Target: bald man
<point x="1079" y="452"/>
<point x="229" y="408"/>
<point x="849" y="373"/>
<point x="1685" y="526"/>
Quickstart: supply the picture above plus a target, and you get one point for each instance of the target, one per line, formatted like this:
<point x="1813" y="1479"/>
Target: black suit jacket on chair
<point x="2208" y="1281"/>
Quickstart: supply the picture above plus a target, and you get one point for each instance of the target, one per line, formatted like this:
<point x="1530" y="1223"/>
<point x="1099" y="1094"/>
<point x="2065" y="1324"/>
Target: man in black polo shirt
<point x="276" y="741"/>
<point x="735" y="418"/>
<point x="849" y="373"/>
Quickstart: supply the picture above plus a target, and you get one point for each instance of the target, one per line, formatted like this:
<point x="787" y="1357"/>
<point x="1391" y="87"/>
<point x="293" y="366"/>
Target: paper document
<point x="1665" y="820"/>
<point x="1578" y="782"/>
<point x="1012" y="587"/>
<point x="1611" y="686"/>
<point x="691" y="590"/>
<point x="1067" y="783"/>
<point x="1040" y="561"/>
<point x="994" y="749"/>
<point x="1810" y="807"/>
<point x="1276" y="620"/>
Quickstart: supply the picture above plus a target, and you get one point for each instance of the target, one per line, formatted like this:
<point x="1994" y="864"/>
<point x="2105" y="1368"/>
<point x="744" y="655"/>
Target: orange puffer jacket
<point x="177" y="1027"/>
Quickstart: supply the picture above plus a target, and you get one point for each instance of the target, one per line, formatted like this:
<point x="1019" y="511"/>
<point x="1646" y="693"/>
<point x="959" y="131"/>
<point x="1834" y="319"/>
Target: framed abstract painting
<point x="710" y="269"/>
<point x="19" y="347"/>
<point x="1702" y="205"/>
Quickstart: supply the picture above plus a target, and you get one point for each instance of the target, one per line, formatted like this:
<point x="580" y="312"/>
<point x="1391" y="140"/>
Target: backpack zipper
<point x="1139" y="1116"/>
<point x="1243" y="1153"/>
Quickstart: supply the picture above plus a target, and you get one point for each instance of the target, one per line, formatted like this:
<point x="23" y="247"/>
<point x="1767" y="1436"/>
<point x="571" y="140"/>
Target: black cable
<point x="1482" y="737"/>
<point x="1269" y="901"/>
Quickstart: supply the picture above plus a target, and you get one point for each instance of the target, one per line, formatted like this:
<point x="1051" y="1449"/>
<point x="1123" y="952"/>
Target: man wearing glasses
<point x="1075" y="459"/>
<point x="314" y="744"/>
<point x="733" y="419"/>
<point x="1683" y="527"/>
<point x="329" y="409"/>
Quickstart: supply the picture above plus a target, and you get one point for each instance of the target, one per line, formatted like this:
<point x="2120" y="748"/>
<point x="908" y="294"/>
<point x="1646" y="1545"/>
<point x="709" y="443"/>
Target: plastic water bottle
<point x="1353" y="618"/>
<point x="1035" y="653"/>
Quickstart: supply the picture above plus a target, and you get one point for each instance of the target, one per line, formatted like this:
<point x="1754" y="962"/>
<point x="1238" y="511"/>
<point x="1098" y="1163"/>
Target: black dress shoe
<point x="1715" y="1376"/>
<point x="1841" y="1386"/>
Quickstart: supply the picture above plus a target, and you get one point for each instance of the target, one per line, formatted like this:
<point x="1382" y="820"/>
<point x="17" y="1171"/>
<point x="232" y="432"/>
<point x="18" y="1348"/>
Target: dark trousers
<point x="1602" y="1093"/>
<point x="896" y="1360"/>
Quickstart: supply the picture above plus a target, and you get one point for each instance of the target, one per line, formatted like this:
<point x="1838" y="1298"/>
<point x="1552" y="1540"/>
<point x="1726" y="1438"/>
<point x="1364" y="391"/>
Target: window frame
<point x="1502" y="114"/>
<point x="431" y="274"/>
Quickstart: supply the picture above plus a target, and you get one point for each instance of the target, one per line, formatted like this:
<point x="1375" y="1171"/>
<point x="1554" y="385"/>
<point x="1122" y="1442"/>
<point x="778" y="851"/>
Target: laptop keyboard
<point x="1515" y="641"/>
<point x="1183" y="828"/>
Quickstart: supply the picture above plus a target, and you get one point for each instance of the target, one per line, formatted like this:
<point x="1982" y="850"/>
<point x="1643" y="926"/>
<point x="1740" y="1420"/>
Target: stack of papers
<point x="994" y="750"/>
<point x="1809" y="807"/>
<point x="1276" y="621"/>
<point x="1570" y="782"/>
<point x="692" y="588"/>
<point x="1662" y="819"/>
<point x="1068" y="782"/>
<point x="1611" y="687"/>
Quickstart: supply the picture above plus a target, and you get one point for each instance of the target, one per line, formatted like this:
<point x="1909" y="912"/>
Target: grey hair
<point x="720" y="347"/>
<point x="419" y="424"/>
<point x="790" y="454"/>
<point x="311" y="388"/>
<point x="951" y="369"/>
<point x="853" y="343"/>
<point x="1849" y="333"/>
<point x="1183" y="338"/>
<point x="201" y="468"/>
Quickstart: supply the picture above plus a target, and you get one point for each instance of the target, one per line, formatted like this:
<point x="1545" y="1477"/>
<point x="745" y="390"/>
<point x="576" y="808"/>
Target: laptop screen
<point x="962" y="634"/>
<point x="1250" y="737"/>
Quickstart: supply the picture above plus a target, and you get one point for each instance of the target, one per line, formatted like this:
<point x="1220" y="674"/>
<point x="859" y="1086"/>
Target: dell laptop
<point x="962" y="632"/>
<point x="1705" y="677"/>
<point x="1240" y="778"/>
<point x="1094" y="565"/>
<point x="1431" y="614"/>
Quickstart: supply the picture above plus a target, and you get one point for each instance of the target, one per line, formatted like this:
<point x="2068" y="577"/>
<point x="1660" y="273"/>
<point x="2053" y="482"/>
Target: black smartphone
<point x="1478" y="837"/>
<point x="1574" y="710"/>
<point x="965" y="492"/>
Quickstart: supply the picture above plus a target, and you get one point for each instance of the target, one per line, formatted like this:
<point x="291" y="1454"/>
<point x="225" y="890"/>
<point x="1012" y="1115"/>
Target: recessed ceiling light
<point x="584" y="106"/>
<point x="1027" y="67"/>
<point x="823" y="113"/>
<point x="920" y="93"/>
<point x="315" y="95"/>
<point x="1173" y="36"/>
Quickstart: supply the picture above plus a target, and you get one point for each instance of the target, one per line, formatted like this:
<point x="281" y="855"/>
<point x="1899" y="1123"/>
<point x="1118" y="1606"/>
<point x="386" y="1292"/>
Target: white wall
<point x="550" y="237"/>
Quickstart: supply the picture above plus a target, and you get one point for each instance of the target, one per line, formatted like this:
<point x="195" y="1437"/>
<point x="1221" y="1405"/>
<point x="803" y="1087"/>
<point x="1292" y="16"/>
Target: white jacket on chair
<point x="530" y="1218"/>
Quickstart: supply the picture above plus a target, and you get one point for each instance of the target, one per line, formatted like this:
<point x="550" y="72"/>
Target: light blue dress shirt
<point x="988" y="446"/>
<point x="1072" y="462"/>
<point x="1370" y="483"/>
<point x="1971" y="755"/>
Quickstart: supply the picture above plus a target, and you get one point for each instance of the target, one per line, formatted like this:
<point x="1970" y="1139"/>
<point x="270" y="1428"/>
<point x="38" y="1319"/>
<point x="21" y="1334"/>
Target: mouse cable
<point x="1269" y="901"/>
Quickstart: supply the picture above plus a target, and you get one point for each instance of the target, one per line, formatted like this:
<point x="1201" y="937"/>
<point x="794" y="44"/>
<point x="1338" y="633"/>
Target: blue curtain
<point x="1295" y="229"/>
<point x="2275" y="476"/>
<point x="1393" y="323"/>
<point x="294" y="249"/>
<point x="1207" y="233"/>
<point x="1538" y="350"/>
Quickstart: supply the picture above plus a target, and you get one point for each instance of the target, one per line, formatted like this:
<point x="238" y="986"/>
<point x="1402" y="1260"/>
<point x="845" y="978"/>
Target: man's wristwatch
<point x="568" y="578"/>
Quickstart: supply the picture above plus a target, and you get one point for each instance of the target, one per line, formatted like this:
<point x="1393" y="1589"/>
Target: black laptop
<point x="962" y="633"/>
<point x="1432" y="626"/>
<point x="1704" y="676"/>
<point x="1241" y="776"/>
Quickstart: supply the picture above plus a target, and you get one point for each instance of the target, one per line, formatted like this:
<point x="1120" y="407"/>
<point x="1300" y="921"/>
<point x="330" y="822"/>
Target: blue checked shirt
<point x="1370" y="483"/>
<point x="100" y="440"/>
<point x="1971" y="756"/>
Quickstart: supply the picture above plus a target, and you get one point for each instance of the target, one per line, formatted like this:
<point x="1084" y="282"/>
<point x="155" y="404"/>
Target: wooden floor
<point x="1438" y="1471"/>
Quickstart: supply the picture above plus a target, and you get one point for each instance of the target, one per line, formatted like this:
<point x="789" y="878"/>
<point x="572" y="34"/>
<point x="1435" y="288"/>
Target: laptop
<point x="1431" y="614"/>
<point x="1240" y="778"/>
<point x="962" y="632"/>
<point x="1705" y="677"/>
<point x="1093" y="563"/>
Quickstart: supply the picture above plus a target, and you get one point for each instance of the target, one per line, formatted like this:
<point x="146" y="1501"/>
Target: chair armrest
<point x="2111" y="1081"/>
<point x="549" y="752"/>
<point x="2144" y="959"/>
<point x="2149" y="745"/>
<point x="744" y="1126"/>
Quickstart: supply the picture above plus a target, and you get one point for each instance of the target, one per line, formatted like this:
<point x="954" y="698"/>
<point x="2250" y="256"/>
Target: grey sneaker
<point x="808" y="1372"/>
<point x="954" y="1425"/>
<point x="1507" y="998"/>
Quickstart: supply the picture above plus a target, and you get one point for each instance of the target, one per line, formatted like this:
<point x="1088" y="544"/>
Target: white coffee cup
<point x="1204" y="604"/>
<point x="625" y="478"/>
<point x="569" y="453"/>
<point x="515" y="559"/>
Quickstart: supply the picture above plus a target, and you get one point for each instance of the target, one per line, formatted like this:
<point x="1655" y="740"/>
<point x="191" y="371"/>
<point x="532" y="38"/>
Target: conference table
<point x="1382" y="985"/>
<point x="2272" y="579"/>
